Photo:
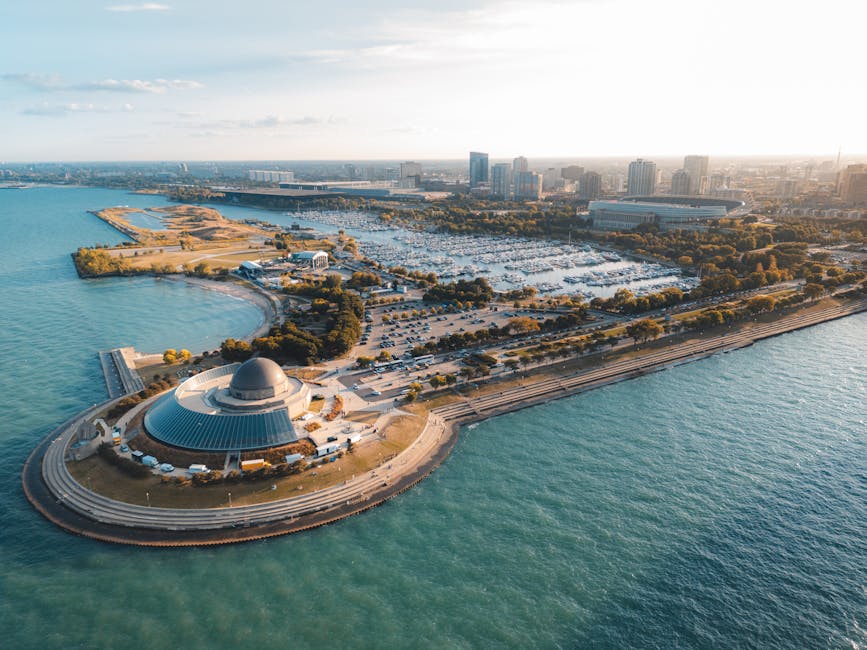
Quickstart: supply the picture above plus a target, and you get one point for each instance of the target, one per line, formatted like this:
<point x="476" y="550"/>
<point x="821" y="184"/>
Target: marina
<point x="551" y="267"/>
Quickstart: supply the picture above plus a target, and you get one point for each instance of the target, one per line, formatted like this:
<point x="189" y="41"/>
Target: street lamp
<point x="230" y="499"/>
<point x="148" y="495"/>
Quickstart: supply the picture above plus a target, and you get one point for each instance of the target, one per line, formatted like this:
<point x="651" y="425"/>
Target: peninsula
<point x="314" y="418"/>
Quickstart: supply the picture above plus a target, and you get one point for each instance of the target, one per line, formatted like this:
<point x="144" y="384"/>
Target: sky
<point x="382" y="79"/>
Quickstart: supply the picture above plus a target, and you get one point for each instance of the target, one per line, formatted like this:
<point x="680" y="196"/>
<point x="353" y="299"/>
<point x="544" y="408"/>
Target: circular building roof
<point x="192" y="416"/>
<point x="258" y="374"/>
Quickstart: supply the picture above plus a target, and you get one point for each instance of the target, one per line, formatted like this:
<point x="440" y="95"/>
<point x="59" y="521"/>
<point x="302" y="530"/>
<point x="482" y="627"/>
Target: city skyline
<point x="186" y="80"/>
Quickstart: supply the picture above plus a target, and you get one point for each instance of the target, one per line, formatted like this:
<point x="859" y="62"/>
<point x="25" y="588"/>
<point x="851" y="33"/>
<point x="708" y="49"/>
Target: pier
<point x="120" y="378"/>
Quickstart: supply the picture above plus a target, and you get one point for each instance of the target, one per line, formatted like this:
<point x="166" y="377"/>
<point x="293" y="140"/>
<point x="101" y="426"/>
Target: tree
<point x="813" y="291"/>
<point x="437" y="381"/>
<point x="523" y="325"/>
<point x="644" y="329"/>
<point x="759" y="304"/>
<point x="512" y="364"/>
<point x="170" y="356"/>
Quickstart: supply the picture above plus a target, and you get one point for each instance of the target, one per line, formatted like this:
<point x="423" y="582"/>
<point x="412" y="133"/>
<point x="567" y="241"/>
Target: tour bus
<point x="387" y="365"/>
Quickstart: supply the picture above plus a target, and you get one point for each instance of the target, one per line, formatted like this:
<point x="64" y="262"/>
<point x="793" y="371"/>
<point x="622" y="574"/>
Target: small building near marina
<point x="315" y="260"/>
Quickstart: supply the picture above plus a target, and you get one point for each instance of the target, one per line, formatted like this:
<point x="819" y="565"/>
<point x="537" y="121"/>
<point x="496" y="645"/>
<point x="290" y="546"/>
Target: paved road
<point x="94" y="513"/>
<point x="74" y="496"/>
<point x="560" y="386"/>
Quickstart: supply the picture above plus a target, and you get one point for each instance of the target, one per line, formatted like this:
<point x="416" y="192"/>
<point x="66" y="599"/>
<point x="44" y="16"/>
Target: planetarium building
<point x="238" y="407"/>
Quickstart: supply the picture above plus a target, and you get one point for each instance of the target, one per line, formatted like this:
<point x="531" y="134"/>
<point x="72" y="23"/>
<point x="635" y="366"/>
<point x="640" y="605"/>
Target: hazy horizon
<point x="375" y="81"/>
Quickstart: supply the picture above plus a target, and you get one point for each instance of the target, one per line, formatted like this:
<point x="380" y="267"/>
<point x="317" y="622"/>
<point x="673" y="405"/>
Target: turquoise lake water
<point x="718" y="504"/>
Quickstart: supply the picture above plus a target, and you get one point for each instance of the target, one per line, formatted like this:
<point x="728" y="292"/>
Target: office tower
<point x="528" y="185"/>
<point x="501" y="179"/>
<point x="551" y="178"/>
<point x="478" y="168"/>
<point x="717" y="182"/>
<point x="680" y="182"/>
<point x="590" y="185"/>
<point x="410" y="174"/>
<point x="641" y="180"/>
<point x="853" y="184"/>
<point x="520" y="164"/>
<point x="572" y="173"/>
<point x="410" y="168"/>
<point x="696" y="167"/>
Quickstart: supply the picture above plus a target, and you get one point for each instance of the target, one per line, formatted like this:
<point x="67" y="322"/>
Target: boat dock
<point x="120" y="378"/>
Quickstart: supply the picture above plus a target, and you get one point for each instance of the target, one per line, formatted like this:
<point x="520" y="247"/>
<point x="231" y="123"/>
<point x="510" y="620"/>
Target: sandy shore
<point x="268" y="305"/>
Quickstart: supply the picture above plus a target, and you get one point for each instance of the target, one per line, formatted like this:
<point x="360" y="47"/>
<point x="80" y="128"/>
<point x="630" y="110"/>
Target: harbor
<point x="551" y="267"/>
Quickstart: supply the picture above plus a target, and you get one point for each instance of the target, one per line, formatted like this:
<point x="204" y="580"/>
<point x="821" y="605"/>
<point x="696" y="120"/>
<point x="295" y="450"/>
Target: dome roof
<point x="258" y="374"/>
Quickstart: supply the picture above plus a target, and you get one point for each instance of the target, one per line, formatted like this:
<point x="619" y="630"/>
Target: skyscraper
<point x="572" y="172"/>
<point x="478" y="168"/>
<point x="696" y="167"/>
<point x="853" y="184"/>
<point x="410" y="174"/>
<point x="680" y="182"/>
<point x="501" y="179"/>
<point x="591" y="185"/>
<point x="410" y="168"/>
<point x="528" y="185"/>
<point x="641" y="180"/>
<point x="520" y="164"/>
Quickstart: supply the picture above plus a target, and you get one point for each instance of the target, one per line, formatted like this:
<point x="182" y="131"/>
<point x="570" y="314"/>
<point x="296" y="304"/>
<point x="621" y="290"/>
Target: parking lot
<point x="398" y="335"/>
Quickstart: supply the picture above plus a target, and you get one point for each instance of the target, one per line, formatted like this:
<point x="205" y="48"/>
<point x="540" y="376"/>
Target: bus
<point x="425" y="358"/>
<point x="387" y="365"/>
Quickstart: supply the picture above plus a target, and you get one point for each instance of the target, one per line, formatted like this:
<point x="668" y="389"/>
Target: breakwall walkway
<point x="120" y="378"/>
<point x="556" y="387"/>
<point x="52" y="490"/>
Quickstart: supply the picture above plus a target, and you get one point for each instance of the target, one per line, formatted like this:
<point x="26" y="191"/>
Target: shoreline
<point x="155" y="531"/>
<point x="266" y="303"/>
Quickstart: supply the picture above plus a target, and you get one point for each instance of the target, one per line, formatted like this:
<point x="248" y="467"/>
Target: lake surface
<point x="717" y="504"/>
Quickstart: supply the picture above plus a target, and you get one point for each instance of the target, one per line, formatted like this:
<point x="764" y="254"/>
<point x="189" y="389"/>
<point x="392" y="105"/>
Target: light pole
<point x="148" y="495"/>
<point x="230" y="499"/>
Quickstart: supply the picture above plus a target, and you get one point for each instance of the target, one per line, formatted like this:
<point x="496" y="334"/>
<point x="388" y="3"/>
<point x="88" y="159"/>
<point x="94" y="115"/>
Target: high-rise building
<point x="696" y="167"/>
<point x="520" y="164"/>
<point x="410" y="174"/>
<point x="680" y="182"/>
<point x="478" y="168"/>
<point x="410" y="168"/>
<point x="853" y="184"/>
<point x="716" y="182"/>
<point x="572" y="173"/>
<point x="641" y="180"/>
<point x="528" y="185"/>
<point x="501" y="179"/>
<point x="590" y="185"/>
<point x="551" y="179"/>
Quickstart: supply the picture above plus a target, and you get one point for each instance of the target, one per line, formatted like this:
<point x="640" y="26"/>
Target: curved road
<point x="52" y="489"/>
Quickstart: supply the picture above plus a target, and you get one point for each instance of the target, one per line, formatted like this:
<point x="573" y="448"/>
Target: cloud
<point x="36" y="81"/>
<point x="157" y="86"/>
<point x="267" y="122"/>
<point x="62" y="110"/>
<point x="54" y="83"/>
<point x="144" y="6"/>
